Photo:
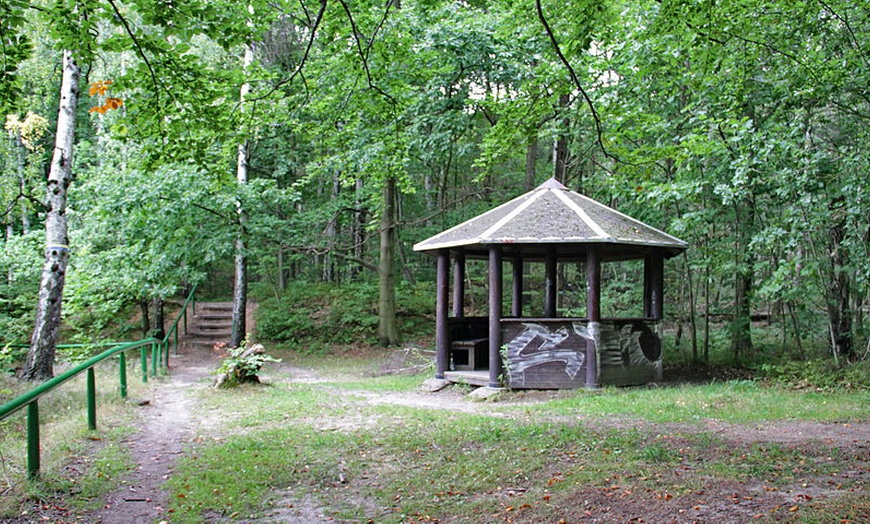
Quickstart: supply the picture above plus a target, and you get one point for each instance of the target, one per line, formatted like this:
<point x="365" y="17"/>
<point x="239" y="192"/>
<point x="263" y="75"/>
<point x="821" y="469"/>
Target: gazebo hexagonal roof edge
<point x="553" y="214"/>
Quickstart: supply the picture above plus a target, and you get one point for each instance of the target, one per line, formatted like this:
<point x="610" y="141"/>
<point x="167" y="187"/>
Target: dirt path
<point x="167" y="424"/>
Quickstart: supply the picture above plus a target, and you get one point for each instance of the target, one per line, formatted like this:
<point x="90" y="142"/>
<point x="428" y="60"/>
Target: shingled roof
<point x="551" y="214"/>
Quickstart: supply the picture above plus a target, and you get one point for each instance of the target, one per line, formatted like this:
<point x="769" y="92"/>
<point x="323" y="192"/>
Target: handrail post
<point x="92" y="400"/>
<point x="144" y="353"/>
<point x="122" y="373"/>
<point x="33" y="440"/>
<point x="153" y="359"/>
<point x="176" y="347"/>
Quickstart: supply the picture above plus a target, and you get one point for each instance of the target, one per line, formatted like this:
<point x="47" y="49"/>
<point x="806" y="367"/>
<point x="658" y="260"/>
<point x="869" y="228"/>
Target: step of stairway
<point x="213" y="314"/>
<point x="210" y="326"/>
<point x="214" y="306"/>
<point x="202" y="327"/>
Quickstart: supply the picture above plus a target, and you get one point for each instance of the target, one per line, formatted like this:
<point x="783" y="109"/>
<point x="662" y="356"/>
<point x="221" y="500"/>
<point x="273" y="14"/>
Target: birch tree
<point x="240" y="287"/>
<point x="46" y="332"/>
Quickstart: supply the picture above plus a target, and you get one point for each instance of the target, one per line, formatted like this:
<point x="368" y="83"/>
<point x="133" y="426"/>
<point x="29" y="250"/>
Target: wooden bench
<point x="467" y="354"/>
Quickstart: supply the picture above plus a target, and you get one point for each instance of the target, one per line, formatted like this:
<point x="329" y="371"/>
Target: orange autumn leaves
<point x="99" y="88"/>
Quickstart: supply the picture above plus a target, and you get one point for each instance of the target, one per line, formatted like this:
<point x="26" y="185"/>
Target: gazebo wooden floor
<point x="473" y="378"/>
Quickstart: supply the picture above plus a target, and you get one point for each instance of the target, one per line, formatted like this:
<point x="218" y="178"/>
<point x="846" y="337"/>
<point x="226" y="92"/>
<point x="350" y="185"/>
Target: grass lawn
<point x="337" y="438"/>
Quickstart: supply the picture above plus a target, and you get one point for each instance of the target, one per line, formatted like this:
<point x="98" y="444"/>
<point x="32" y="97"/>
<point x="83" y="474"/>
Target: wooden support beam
<point x="551" y="288"/>
<point x="459" y="285"/>
<point x="656" y="261"/>
<point x="647" y="287"/>
<point x="442" y="343"/>
<point x="495" y="312"/>
<point x="517" y="289"/>
<point x="593" y="311"/>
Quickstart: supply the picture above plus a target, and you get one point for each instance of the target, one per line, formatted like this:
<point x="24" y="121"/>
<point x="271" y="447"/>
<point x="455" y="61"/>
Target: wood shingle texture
<point x="551" y="214"/>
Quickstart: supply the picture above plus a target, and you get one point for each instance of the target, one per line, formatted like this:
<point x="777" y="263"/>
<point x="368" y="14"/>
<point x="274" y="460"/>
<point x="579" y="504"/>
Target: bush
<point x="288" y="319"/>
<point x="242" y="365"/>
<point x="819" y="374"/>
<point x="347" y="313"/>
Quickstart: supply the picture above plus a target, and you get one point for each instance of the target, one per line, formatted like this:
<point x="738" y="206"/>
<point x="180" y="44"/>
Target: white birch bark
<point x="43" y="342"/>
<point x="240" y="285"/>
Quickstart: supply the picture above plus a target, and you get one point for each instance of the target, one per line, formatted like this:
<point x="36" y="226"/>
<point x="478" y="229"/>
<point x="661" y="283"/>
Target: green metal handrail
<point x="173" y="331"/>
<point x="159" y="358"/>
<point x="31" y="398"/>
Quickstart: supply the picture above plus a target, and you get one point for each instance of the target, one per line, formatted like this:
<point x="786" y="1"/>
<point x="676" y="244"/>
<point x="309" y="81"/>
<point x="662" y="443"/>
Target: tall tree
<point x="46" y="332"/>
<point x="240" y="286"/>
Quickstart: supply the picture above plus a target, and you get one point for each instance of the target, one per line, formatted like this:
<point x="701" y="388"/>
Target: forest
<point x="264" y="148"/>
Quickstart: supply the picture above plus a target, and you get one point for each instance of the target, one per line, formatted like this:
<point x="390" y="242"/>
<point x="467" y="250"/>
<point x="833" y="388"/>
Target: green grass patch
<point x="393" y="463"/>
<point x="740" y="401"/>
<point x="531" y="452"/>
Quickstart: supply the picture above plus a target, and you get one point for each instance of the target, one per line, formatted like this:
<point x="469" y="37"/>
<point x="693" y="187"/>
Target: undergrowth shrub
<point x="819" y="374"/>
<point x="242" y="365"/>
<point x="346" y="313"/>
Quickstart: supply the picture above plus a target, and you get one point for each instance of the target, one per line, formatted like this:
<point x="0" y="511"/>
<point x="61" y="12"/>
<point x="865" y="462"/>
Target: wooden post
<point x="459" y="285"/>
<point x="550" y="283"/>
<point x="517" y="294"/>
<point x="647" y="287"/>
<point x="656" y="261"/>
<point x="495" y="296"/>
<point x="593" y="311"/>
<point x="441" y="299"/>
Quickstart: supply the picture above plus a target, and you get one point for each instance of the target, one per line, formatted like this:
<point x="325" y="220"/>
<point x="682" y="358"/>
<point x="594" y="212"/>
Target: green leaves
<point x="14" y="48"/>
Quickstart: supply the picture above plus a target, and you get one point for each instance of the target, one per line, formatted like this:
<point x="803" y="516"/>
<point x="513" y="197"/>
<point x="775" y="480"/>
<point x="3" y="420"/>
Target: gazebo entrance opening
<point x="572" y="348"/>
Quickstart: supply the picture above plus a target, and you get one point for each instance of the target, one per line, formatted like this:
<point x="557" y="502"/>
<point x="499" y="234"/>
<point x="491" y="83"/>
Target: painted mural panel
<point x="630" y="352"/>
<point x="552" y="353"/>
<point x="547" y="354"/>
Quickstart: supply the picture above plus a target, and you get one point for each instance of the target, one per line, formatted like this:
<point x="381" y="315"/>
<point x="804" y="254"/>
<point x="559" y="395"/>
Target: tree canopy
<point x="739" y="126"/>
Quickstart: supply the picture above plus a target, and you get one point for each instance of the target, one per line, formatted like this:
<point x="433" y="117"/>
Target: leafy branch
<point x="22" y="195"/>
<point x="599" y="134"/>
<point x="364" y="54"/>
<point x="298" y="71"/>
<point x="140" y="51"/>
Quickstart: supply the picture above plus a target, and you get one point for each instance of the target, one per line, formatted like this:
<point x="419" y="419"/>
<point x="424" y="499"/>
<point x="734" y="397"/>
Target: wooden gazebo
<point x="549" y="224"/>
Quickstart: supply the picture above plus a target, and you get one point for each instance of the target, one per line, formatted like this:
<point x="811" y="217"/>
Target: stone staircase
<point x="211" y="325"/>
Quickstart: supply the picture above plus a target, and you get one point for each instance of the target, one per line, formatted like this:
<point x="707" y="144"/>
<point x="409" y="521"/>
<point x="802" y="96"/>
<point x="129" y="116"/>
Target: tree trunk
<point x="240" y="296"/>
<point x="332" y="234"/>
<point x="693" y="309"/>
<point x="839" y="314"/>
<point x="560" y="148"/>
<point x="388" y="326"/>
<point x="531" y="160"/>
<point x="10" y="273"/>
<point x="158" y="322"/>
<point x="22" y="184"/>
<point x="282" y="272"/>
<point x="240" y="284"/>
<point x="741" y="335"/>
<point x="46" y="332"/>
<point x="741" y="325"/>
<point x="706" y="350"/>
<point x="358" y="225"/>
<point x="146" y="318"/>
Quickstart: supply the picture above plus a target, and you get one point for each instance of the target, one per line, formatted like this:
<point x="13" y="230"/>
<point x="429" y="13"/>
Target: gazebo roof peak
<point x="552" y="183"/>
<point x="553" y="214"/>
